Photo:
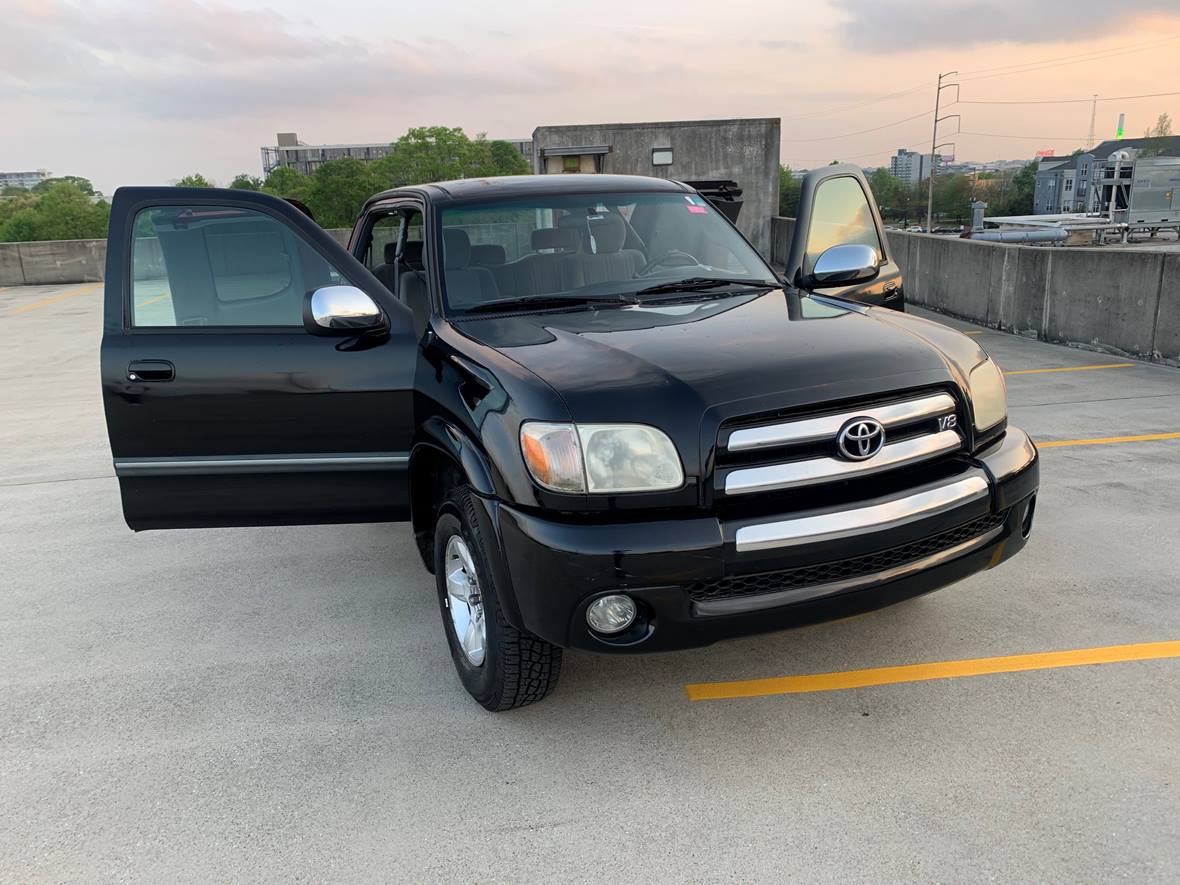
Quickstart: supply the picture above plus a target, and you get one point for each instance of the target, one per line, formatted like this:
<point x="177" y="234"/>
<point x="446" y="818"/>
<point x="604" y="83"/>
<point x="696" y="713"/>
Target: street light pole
<point x="934" y="145"/>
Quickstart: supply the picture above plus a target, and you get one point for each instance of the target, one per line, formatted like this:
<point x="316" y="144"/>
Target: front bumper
<point x="822" y="564"/>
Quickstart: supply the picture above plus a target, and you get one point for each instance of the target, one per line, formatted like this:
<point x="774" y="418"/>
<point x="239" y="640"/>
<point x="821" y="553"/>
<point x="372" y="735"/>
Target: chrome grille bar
<point x="793" y="474"/>
<point x="874" y="518"/>
<point x="827" y="426"/>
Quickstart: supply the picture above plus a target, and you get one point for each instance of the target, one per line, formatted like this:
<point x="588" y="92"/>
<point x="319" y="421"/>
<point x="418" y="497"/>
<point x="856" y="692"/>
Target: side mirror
<point x="843" y="265"/>
<point x="341" y="310"/>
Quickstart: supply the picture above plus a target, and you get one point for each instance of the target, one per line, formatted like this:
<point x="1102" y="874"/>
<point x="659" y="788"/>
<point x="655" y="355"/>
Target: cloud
<point x="186" y="59"/>
<point x="903" y="25"/>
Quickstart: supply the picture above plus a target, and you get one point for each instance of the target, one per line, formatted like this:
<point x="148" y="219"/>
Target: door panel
<point x="221" y="408"/>
<point x="836" y="207"/>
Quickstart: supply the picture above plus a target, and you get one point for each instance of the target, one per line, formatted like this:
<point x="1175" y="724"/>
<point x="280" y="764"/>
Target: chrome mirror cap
<point x="343" y="308"/>
<point x="845" y="264"/>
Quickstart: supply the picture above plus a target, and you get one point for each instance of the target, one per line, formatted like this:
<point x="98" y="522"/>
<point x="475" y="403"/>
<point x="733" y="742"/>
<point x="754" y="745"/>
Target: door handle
<point x="150" y="370"/>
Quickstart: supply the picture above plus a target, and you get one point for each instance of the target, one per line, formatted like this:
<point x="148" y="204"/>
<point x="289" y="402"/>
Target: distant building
<point x="910" y="166"/>
<point x="1086" y="182"/>
<point x="289" y="152"/>
<point x="744" y="151"/>
<point x="23" y="179"/>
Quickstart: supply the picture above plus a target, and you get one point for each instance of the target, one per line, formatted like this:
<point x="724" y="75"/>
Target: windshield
<point x="590" y="247"/>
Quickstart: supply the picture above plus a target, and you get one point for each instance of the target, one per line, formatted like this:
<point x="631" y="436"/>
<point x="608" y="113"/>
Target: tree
<point x="82" y="184"/>
<point x="1011" y="193"/>
<point x="887" y="188"/>
<point x="244" y="182"/>
<point x="439" y="153"/>
<point x="1161" y="129"/>
<point x="287" y="182"/>
<point x="13" y="190"/>
<point x="339" y="189"/>
<point x="788" y="192"/>
<point x="194" y="180"/>
<point x="507" y="160"/>
<point x="63" y="212"/>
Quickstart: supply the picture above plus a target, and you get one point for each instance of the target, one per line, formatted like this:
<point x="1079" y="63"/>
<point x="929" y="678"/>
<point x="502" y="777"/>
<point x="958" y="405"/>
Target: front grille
<point x="844" y="569"/>
<point x="797" y="451"/>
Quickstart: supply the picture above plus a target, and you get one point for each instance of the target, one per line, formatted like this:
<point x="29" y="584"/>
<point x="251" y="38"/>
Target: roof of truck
<point x="508" y="186"/>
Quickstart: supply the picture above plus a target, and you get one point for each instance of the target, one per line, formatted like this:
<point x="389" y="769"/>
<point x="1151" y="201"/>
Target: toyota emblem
<point x="860" y="439"/>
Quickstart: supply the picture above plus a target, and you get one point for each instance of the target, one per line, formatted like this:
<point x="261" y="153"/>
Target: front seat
<point x="466" y="285"/>
<point x="387" y="273"/>
<point x="602" y="257"/>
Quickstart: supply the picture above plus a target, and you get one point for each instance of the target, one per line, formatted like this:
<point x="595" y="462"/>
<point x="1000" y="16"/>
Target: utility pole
<point x="1093" y="117"/>
<point x="934" y="145"/>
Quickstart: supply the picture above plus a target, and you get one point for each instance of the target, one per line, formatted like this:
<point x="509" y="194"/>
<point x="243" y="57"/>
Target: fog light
<point x="1026" y="524"/>
<point x="611" y="614"/>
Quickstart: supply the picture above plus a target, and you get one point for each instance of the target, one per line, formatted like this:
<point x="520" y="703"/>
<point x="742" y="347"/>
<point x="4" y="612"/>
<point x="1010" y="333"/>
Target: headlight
<point x="600" y="458"/>
<point x="989" y="396"/>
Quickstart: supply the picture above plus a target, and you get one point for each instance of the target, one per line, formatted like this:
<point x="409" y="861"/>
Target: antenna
<point x="1093" y="116"/>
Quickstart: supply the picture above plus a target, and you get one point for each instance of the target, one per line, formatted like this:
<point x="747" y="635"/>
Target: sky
<point x="144" y="93"/>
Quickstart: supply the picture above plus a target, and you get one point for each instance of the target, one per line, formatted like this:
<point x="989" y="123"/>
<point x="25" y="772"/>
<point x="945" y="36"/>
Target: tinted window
<point x="597" y="244"/>
<point x="383" y="241"/>
<point x="840" y="215"/>
<point x="220" y="266"/>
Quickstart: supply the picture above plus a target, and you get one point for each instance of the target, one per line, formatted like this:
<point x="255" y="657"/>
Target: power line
<point x="1062" y="61"/>
<point x="862" y="131"/>
<point x="1075" y="100"/>
<point x="850" y="107"/>
<point x="1074" y="55"/>
<point x="1034" y="137"/>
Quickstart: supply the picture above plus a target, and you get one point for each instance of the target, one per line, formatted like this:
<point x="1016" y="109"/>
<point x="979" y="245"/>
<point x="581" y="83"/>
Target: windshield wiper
<point x="541" y="302"/>
<point x="698" y="284"/>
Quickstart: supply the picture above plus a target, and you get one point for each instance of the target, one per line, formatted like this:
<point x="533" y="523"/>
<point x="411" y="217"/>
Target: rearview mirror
<point x="843" y="265"/>
<point x="341" y="310"/>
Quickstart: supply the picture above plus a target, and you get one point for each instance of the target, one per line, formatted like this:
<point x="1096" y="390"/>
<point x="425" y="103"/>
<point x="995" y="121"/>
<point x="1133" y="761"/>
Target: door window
<point x="220" y="266"/>
<point x="383" y="241"/>
<point x="840" y="215"/>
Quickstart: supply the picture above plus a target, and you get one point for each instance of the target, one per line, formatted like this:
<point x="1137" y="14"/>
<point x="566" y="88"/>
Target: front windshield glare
<point x="590" y="246"/>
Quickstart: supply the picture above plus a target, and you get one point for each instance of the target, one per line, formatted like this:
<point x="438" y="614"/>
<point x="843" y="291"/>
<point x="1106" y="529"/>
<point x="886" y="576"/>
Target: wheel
<point x="501" y="667"/>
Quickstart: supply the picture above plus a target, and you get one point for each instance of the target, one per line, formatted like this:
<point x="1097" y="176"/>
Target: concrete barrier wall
<point x="1124" y="301"/>
<point x="71" y="261"/>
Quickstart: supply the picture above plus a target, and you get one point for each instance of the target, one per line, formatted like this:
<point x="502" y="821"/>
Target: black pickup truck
<point x="611" y="425"/>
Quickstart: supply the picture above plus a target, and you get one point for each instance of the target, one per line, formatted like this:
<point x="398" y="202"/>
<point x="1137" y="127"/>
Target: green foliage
<point x="1011" y="193"/>
<point x="244" y="182"/>
<point x="506" y="160"/>
<point x="338" y="191"/>
<point x="13" y="190"/>
<point x="195" y="180"/>
<point x="1161" y="129"/>
<point x="788" y="192"/>
<point x="439" y="153"/>
<point x="886" y="188"/>
<point x="63" y="212"/>
<point x="285" y="182"/>
<point x="82" y="184"/>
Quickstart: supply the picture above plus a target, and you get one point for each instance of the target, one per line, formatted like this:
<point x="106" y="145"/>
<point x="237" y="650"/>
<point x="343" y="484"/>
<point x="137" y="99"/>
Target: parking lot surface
<point x="246" y="704"/>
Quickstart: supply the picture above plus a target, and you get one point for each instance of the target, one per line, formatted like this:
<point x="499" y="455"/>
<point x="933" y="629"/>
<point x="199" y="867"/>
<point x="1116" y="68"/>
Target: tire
<point x="514" y="668"/>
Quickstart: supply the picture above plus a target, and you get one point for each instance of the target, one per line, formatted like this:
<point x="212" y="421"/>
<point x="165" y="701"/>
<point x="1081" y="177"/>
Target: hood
<point x="738" y="355"/>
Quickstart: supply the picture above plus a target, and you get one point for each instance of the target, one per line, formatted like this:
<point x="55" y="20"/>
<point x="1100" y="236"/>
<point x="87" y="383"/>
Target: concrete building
<point x="23" y="179"/>
<point x="291" y="153"/>
<point x="1086" y="182"/>
<point x="910" y="166"/>
<point x="745" y="151"/>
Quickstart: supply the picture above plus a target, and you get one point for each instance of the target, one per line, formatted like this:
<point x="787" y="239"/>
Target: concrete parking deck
<point x="279" y="703"/>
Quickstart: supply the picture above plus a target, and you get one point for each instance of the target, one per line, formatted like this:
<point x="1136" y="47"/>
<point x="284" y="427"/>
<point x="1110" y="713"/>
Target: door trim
<point x="221" y="464"/>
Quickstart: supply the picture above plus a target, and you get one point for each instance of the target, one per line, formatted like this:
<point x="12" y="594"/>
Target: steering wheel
<point x="671" y="258"/>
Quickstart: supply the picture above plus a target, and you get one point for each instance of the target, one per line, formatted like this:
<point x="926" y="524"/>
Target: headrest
<point x="391" y="252"/>
<point x="488" y="255"/>
<point x="412" y="254"/>
<point x="609" y="232"/>
<point x="456" y="248"/>
<point x="562" y="239"/>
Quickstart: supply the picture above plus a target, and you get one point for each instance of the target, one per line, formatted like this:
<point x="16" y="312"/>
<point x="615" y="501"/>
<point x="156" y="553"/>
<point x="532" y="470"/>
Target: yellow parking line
<point x="53" y="299"/>
<point x="1071" y="369"/>
<point x="1102" y="441"/>
<point x="753" y="688"/>
<point x="154" y="300"/>
<point x="975" y="332"/>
